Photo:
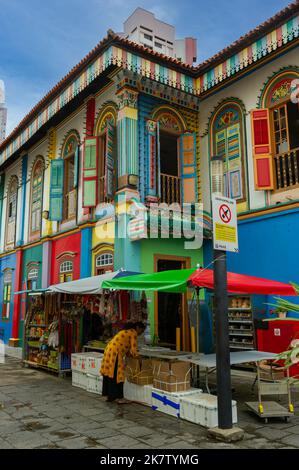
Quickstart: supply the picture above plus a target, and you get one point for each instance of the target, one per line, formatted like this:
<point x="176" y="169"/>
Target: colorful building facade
<point x="128" y="127"/>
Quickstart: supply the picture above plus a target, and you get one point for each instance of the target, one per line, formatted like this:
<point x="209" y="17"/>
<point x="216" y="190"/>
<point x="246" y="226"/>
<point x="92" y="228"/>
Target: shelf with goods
<point x="240" y="319"/>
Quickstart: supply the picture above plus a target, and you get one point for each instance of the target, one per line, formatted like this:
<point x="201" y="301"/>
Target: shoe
<point x="123" y="401"/>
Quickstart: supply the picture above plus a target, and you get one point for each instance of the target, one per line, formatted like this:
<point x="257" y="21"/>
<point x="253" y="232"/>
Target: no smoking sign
<point x="225" y="213"/>
<point x="225" y="230"/>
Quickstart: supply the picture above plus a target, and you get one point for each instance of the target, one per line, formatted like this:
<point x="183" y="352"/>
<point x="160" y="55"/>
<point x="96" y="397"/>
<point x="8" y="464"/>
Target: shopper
<point x="122" y="344"/>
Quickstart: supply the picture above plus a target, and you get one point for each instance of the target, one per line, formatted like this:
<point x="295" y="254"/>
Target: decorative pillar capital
<point x="127" y="97"/>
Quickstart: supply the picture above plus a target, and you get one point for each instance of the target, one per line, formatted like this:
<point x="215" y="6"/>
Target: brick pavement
<point x="43" y="411"/>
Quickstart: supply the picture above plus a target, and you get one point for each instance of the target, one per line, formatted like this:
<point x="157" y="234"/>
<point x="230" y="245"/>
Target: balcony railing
<point x="286" y="167"/>
<point x="102" y="197"/>
<point x="170" y="189"/>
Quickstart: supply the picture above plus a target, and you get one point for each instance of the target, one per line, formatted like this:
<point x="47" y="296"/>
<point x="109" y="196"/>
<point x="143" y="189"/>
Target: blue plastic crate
<point x="65" y="361"/>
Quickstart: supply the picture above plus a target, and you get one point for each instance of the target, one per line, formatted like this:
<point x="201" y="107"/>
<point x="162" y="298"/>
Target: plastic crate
<point x="202" y="409"/>
<point x="94" y="384"/>
<point x="65" y="362"/>
<point x="93" y="364"/>
<point x="170" y="402"/>
<point x="79" y="379"/>
<point x="75" y="362"/>
<point x="139" y="393"/>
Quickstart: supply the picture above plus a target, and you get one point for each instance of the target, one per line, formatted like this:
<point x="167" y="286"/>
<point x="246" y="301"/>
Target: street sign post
<point x="225" y="227"/>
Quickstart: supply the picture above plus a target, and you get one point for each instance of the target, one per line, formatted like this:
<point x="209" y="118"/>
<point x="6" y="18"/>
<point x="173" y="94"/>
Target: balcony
<point x="286" y="168"/>
<point x="170" y="189"/>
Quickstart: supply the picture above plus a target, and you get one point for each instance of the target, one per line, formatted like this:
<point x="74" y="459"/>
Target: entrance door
<point x="171" y="309"/>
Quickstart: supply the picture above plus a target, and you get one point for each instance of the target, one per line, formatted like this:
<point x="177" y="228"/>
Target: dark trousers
<point x="111" y="388"/>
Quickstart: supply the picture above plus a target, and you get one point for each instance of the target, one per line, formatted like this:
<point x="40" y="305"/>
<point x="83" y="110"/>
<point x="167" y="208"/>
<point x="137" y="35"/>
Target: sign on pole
<point x="225" y="228"/>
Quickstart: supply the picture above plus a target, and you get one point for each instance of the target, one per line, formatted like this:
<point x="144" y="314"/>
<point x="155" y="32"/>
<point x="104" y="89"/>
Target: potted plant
<point x="279" y="312"/>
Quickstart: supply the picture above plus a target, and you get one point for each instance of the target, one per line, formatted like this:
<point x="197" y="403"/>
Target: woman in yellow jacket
<point x="112" y="368"/>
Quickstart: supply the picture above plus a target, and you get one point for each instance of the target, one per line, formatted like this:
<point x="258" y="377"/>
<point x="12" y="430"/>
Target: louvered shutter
<point x="234" y="161"/>
<point x="109" y="161"/>
<point x="76" y="166"/>
<point x="90" y="172"/>
<point x="261" y="143"/>
<point x="56" y="190"/>
<point x="153" y="158"/>
<point x="187" y="146"/>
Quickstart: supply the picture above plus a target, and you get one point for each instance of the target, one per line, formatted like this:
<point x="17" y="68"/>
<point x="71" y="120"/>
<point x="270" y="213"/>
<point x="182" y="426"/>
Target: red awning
<point x="242" y="284"/>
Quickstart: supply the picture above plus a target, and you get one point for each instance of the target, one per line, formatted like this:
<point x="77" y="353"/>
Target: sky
<point x="40" y="41"/>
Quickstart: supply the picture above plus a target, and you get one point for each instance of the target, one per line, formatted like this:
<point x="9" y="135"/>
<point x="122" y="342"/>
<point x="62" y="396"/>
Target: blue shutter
<point x="187" y="145"/>
<point x="56" y="189"/>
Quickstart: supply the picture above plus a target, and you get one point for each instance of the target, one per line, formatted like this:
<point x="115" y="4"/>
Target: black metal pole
<point x="224" y="393"/>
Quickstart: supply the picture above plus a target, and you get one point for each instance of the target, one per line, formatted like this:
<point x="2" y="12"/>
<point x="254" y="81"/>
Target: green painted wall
<point x="33" y="254"/>
<point x="174" y="247"/>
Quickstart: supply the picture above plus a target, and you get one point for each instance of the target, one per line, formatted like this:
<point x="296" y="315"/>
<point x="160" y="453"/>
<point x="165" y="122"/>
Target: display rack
<point x="37" y="352"/>
<point x="241" y="327"/>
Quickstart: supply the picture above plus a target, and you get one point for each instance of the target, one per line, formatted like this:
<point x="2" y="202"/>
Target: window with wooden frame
<point x="106" y="157"/>
<point x="104" y="263"/>
<point x="37" y="179"/>
<point x="71" y="162"/>
<point x="32" y="278"/>
<point x="172" y="175"/>
<point x="66" y="269"/>
<point x="227" y="142"/>
<point x="11" y="215"/>
<point x="284" y="125"/>
<point x="7" y="287"/>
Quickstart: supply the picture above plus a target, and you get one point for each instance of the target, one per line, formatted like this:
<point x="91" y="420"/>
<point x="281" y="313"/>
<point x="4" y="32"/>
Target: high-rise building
<point x="3" y="112"/>
<point x="144" y="28"/>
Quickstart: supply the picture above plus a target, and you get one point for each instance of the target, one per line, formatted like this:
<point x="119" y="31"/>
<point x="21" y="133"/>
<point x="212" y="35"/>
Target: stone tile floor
<point x="41" y="410"/>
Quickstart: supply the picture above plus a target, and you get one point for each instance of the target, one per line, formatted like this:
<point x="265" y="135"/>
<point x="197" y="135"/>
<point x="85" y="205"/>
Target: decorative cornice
<point x="115" y="51"/>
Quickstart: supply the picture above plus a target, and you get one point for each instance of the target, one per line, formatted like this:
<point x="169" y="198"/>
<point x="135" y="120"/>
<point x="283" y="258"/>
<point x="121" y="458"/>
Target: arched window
<point x="106" y="131"/>
<point x="227" y="142"/>
<point x="104" y="263"/>
<point x="32" y="278"/>
<point x="11" y="216"/>
<point x="36" y="197"/>
<point x="7" y="286"/>
<point x="171" y="175"/>
<point x="70" y="156"/>
<point x="283" y="114"/>
<point x="66" y="271"/>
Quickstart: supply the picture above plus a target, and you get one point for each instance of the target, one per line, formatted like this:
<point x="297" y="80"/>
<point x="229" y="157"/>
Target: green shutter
<point x="109" y="161"/>
<point x="56" y="189"/>
<point x="90" y="172"/>
<point x="76" y="166"/>
<point x="187" y="145"/>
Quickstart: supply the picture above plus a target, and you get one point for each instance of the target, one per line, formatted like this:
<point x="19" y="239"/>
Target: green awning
<point x="165" y="281"/>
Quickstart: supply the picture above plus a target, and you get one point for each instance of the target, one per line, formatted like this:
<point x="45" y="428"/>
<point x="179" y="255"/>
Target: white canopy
<point x="88" y="285"/>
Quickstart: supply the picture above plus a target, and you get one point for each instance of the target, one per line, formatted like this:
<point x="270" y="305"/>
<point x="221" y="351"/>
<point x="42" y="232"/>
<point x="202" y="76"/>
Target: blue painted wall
<point x="6" y="325"/>
<point x="269" y="248"/>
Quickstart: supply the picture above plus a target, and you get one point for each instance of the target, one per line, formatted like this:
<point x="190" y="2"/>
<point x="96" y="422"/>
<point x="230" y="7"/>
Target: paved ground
<point x="43" y="411"/>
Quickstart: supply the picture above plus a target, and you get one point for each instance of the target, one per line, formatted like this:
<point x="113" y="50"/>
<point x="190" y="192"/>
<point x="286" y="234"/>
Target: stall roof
<point x="165" y="281"/>
<point x="88" y="285"/>
<point x="179" y="280"/>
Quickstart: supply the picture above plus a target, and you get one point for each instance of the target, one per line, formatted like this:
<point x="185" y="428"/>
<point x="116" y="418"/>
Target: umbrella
<point x="177" y="281"/>
<point x="88" y="285"/>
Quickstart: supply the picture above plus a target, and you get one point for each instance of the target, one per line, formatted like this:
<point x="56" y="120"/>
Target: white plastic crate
<point x="202" y="409"/>
<point x="94" y="384"/>
<point x="93" y="364"/>
<point x="170" y="402"/>
<point x="139" y="393"/>
<point x="79" y="379"/>
<point x="76" y="362"/>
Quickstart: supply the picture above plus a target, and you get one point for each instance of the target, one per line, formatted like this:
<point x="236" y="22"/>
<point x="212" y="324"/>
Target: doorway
<point x="171" y="308"/>
<point x="170" y="184"/>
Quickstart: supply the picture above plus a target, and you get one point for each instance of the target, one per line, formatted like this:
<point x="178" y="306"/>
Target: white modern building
<point x="142" y="27"/>
<point x="3" y="112"/>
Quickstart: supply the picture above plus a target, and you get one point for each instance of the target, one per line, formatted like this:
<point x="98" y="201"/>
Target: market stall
<point x="74" y="316"/>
